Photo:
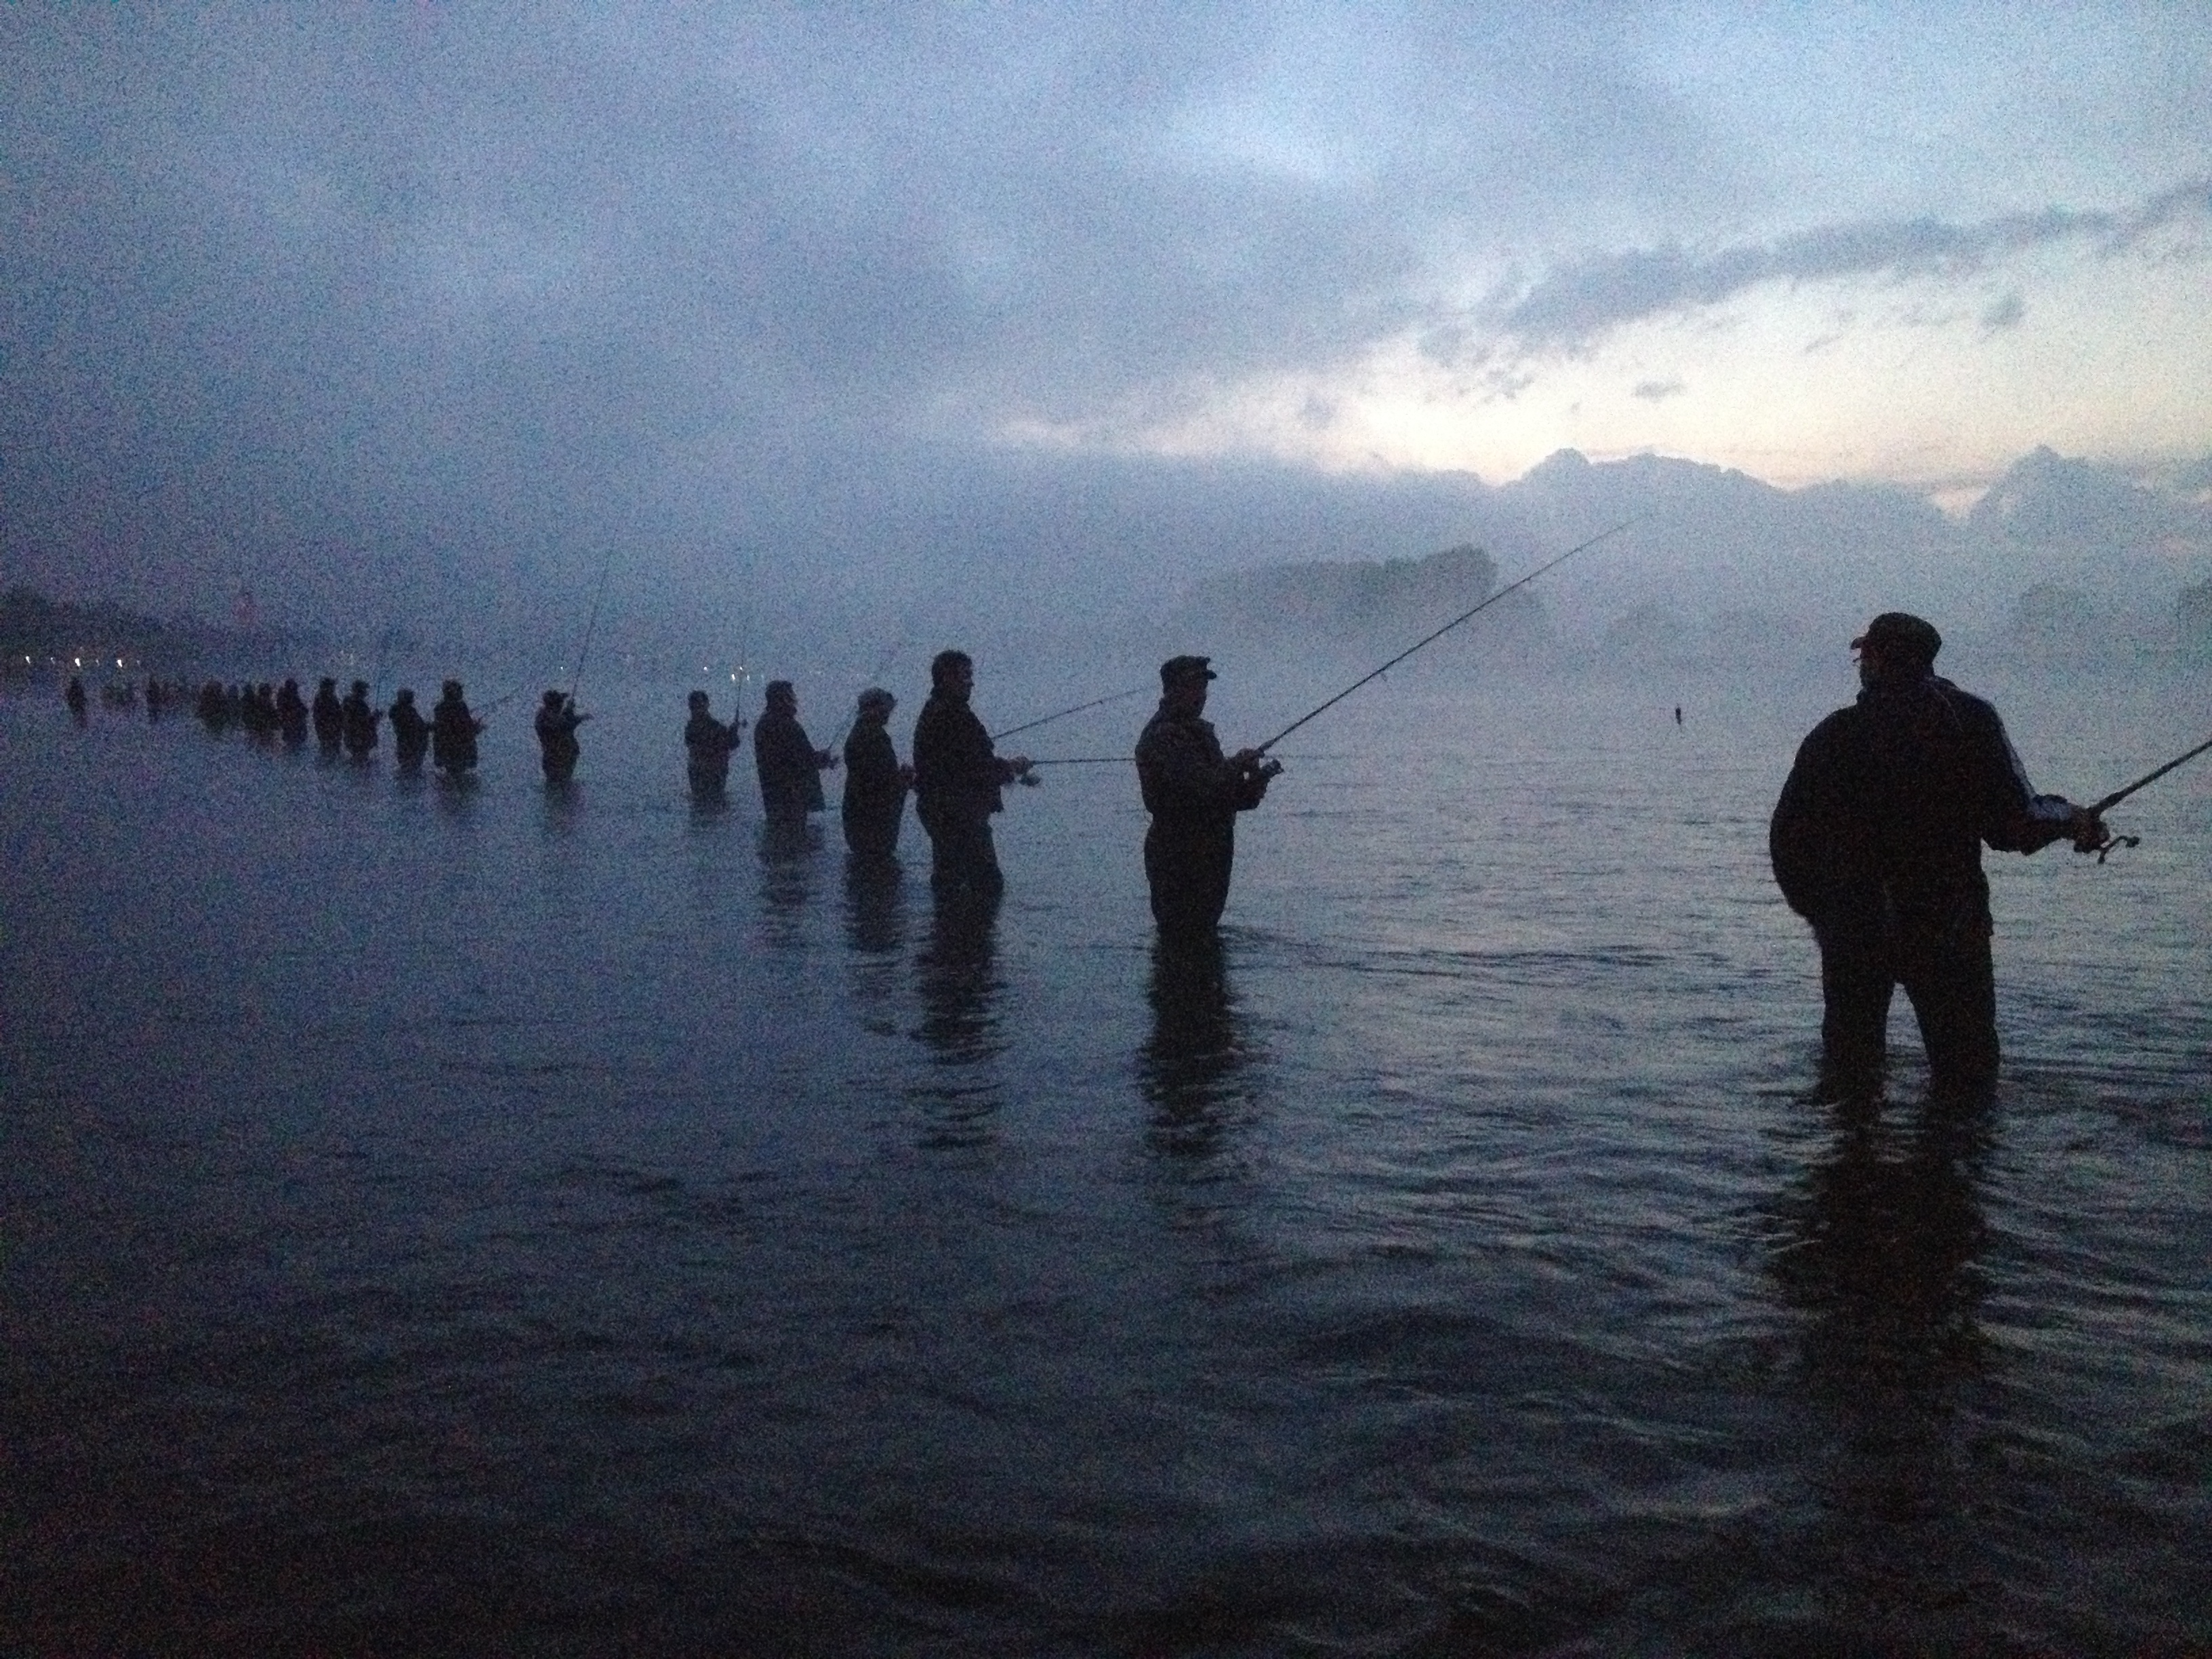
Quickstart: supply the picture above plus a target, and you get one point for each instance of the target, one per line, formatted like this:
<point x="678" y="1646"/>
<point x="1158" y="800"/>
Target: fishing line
<point x="1464" y="617"/>
<point x="606" y="568"/>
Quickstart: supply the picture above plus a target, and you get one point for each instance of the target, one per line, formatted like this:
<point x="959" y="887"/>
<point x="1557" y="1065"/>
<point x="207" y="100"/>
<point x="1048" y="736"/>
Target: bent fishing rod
<point x="1046" y="720"/>
<point x="2105" y="849"/>
<point x="1467" y="615"/>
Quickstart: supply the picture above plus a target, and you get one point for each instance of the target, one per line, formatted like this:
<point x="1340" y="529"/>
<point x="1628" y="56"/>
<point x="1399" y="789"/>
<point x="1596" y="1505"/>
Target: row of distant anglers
<point x="351" y="726"/>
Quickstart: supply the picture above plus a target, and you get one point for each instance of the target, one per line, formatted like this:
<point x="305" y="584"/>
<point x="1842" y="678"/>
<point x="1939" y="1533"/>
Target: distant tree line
<point x="1363" y="602"/>
<point x="42" y="635"/>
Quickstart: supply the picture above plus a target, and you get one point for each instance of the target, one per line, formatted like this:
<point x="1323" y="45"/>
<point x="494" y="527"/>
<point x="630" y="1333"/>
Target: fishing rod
<point x="606" y="568"/>
<point x="1131" y="760"/>
<point x="501" y="702"/>
<point x="1046" y="720"/>
<point x="745" y="645"/>
<point x="1464" y="617"/>
<point x="383" y="660"/>
<point x="2105" y="849"/>
<point x="875" y="677"/>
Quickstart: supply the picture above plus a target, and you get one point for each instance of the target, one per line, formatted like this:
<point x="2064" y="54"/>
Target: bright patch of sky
<point x="1883" y="290"/>
<point x="1931" y="382"/>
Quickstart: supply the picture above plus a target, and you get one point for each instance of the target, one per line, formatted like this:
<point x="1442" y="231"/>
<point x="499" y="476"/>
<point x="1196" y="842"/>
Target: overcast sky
<point x="332" y="283"/>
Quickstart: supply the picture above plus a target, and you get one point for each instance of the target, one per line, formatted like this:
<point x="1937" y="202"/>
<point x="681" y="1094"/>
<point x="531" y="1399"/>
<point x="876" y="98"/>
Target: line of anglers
<point x="958" y="780"/>
<point x="956" y="776"/>
<point x="1876" y="840"/>
<point x="351" y="724"/>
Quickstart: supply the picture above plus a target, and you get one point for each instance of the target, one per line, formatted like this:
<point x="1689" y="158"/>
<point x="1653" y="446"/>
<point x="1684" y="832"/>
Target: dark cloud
<point x="2004" y="313"/>
<point x="405" y="278"/>
<point x="1575" y="304"/>
<point x="452" y="300"/>
<point x="1657" y="391"/>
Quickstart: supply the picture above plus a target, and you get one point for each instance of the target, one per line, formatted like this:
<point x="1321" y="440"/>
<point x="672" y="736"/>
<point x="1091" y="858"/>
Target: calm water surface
<point x="494" y="1221"/>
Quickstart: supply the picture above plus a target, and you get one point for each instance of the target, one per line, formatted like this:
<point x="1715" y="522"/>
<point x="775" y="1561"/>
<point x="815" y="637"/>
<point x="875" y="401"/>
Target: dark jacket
<point x="874" y="791"/>
<point x="955" y="768"/>
<point x="1881" y="823"/>
<point x="411" y="732"/>
<point x="360" y="724"/>
<point x="452" y="736"/>
<point x="292" y="713"/>
<point x="330" y="718"/>
<point x="1188" y="782"/>
<point x="707" y="745"/>
<point x="555" y="725"/>
<point x="784" y="758"/>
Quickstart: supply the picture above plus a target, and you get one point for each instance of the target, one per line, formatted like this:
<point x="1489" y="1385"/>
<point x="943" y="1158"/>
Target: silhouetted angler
<point x="707" y="743"/>
<point x="75" y="697"/>
<point x="789" y="765"/>
<point x="156" y="699"/>
<point x="360" y="721"/>
<point x="453" y="732"/>
<point x="411" y="732"/>
<point x="292" y="713"/>
<point x="1193" y="793"/>
<point x="957" y="780"/>
<point x="558" y="751"/>
<point x="329" y="716"/>
<point x="210" y="708"/>
<point x="1877" y="841"/>
<point x="875" y="783"/>
<point x="266" y="720"/>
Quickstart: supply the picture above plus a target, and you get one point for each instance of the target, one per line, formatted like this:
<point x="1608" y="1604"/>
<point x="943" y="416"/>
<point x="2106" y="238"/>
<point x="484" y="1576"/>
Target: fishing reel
<point x="2107" y="845"/>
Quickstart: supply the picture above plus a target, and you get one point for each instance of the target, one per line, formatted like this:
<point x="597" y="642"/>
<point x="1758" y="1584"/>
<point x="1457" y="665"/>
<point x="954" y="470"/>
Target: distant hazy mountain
<point x="1710" y="542"/>
<point x="2046" y="500"/>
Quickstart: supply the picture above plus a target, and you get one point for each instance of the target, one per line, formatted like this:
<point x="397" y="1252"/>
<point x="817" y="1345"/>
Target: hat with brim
<point x="1906" y="634"/>
<point x="1181" y="671"/>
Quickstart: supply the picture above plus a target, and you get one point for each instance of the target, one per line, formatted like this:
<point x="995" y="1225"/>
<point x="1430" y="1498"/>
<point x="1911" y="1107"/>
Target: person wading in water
<point x="1877" y="842"/>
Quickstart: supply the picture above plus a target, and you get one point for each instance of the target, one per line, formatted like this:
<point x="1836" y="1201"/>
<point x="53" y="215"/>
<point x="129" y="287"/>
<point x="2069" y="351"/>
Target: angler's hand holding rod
<point x="2089" y="830"/>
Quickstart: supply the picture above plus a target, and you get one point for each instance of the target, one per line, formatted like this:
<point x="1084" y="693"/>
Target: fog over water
<point x="543" y="1222"/>
<point x="493" y="1220"/>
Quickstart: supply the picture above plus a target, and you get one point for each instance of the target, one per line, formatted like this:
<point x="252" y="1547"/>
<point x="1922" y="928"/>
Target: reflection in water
<point x="957" y="976"/>
<point x="1878" y="1248"/>
<point x="456" y="794"/>
<point x="1191" y="1068"/>
<point x="875" y="926"/>
<point x="875" y="905"/>
<point x="787" y="845"/>
<point x="562" y="801"/>
<point x="1881" y="1250"/>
